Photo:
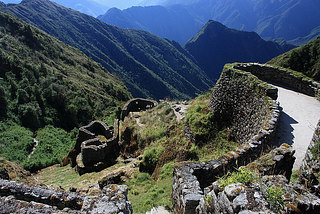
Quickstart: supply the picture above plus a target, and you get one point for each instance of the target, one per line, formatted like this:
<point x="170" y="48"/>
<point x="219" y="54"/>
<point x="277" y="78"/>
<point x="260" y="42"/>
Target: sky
<point x="121" y="4"/>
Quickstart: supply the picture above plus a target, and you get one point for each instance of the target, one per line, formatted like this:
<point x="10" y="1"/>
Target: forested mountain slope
<point x="215" y="45"/>
<point x="305" y="59"/>
<point x="48" y="89"/>
<point x="149" y="65"/>
<point x="44" y="81"/>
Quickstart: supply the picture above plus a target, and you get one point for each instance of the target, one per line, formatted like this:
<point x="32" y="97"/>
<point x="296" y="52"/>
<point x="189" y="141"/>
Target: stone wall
<point x="96" y="150"/>
<point x="137" y="104"/>
<point x="235" y="93"/>
<point x="249" y="197"/>
<point x="240" y="102"/>
<point x="22" y="198"/>
<point x="282" y="76"/>
<point x="95" y="153"/>
<point x="310" y="167"/>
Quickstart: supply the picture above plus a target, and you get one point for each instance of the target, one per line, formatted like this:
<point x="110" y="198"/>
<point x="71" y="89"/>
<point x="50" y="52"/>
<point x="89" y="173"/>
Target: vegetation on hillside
<point x="47" y="87"/>
<point x="150" y="66"/>
<point x="304" y="59"/>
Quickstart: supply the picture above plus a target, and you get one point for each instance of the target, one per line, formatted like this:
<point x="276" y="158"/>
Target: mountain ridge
<point x="215" y="45"/>
<point x="304" y="59"/>
<point x="44" y="81"/>
<point x="149" y="65"/>
<point x="277" y="19"/>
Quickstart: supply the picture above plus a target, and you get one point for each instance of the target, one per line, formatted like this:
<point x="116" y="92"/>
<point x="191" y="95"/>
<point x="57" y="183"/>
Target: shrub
<point x="16" y="142"/>
<point x="53" y="145"/>
<point x="274" y="196"/>
<point x="242" y="175"/>
<point x="150" y="159"/>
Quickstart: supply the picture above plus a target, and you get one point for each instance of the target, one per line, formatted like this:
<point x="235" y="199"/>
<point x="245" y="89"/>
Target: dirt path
<point x="300" y="114"/>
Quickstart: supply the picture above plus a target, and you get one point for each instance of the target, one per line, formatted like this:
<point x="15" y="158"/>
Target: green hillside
<point x="47" y="87"/>
<point x="149" y="65"/>
<point x="305" y="59"/>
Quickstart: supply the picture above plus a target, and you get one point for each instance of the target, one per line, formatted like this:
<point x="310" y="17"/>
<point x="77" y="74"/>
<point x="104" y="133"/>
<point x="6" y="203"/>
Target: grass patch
<point x="242" y="175"/>
<point x="146" y="193"/>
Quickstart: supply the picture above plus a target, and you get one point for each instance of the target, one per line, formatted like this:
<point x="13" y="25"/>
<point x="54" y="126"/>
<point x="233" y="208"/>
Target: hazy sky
<point x="121" y="4"/>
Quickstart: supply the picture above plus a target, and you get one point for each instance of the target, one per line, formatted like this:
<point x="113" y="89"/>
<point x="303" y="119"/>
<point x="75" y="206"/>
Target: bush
<point x="242" y="175"/>
<point x="200" y="119"/>
<point x="16" y="142"/>
<point x="53" y="145"/>
<point x="150" y="159"/>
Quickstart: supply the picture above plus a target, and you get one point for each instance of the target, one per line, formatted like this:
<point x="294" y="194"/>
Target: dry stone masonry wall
<point x="310" y="169"/>
<point x="255" y="128"/>
<point x="236" y="99"/>
<point x="21" y="198"/>
<point x="240" y="102"/>
<point x="282" y="76"/>
<point x="137" y="104"/>
<point x="239" y="197"/>
<point x="97" y="147"/>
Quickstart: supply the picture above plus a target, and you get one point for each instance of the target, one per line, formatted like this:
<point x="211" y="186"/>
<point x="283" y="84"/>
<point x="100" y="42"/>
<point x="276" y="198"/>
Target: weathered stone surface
<point x="224" y="203"/>
<point x="158" y="210"/>
<point x="246" y="113"/>
<point x="283" y="77"/>
<point x="233" y="190"/>
<point x="21" y="198"/>
<point x="98" y="145"/>
<point x="60" y="199"/>
<point x="278" y="162"/>
<point x="112" y="199"/>
<point x="309" y="170"/>
<point x="240" y="202"/>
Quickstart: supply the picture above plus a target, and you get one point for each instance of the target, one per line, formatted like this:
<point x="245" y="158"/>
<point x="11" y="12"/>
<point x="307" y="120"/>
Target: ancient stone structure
<point x="284" y="77"/>
<point x="241" y="197"/>
<point x="240" y="102"/>
<point x="96" y="147"/>
<point x="15" y="198"/>
<point x="311" y="164"/>
<point x="137" y="104"/>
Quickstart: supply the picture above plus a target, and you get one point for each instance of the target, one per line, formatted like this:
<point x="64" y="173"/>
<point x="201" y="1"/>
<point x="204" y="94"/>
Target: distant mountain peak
<point x="215" y="45"/>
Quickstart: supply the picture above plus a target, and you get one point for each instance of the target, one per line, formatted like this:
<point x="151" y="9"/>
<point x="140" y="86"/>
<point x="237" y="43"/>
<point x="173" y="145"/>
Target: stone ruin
<point x="96" y="147"/>
<point x="137" y="104"/>
<point x="281" y="76"/>
<point x="195" y="189"/>
<point x="22" y="198"/>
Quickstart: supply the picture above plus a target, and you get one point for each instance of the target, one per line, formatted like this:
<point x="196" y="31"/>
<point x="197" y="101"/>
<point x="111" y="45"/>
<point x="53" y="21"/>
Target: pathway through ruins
<point x="300" y="114"/>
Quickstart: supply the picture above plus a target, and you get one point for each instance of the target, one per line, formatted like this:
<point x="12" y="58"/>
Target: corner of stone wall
<point x="281" y="76"/>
